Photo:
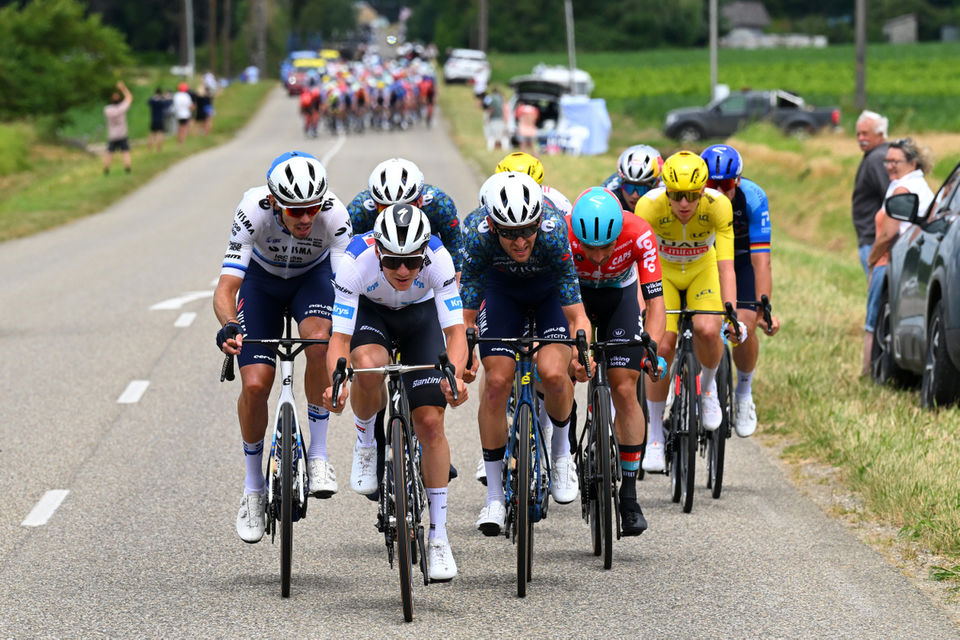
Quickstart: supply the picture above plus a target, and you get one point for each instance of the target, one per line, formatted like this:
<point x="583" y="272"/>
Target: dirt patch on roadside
<point x="824" y="486"/>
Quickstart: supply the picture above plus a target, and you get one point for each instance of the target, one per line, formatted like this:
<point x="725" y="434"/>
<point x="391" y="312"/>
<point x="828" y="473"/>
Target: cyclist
<point x="288" y="238"/>
<point x="396" y="286"/>
<point x="517" y="258"/>
<point x="751" y="261"/>
<point x="615" y="253"/>
<point x="523" y="162"/>
<point x="400" y="181"/>
<point x="638" y="171"/>
<point x="687" y="218"/>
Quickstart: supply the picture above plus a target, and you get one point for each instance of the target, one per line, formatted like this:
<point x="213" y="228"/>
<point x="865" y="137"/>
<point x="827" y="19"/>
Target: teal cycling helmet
<point x="597" y="217"/>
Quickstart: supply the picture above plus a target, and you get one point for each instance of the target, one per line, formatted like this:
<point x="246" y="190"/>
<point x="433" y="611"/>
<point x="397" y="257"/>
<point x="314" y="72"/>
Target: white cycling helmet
<point x="639" y="164"/>
<point x="297" y="179"/>
<point x="512" y="199"/>
<point x="396" y="181"/>
<point x="401" y="229"/>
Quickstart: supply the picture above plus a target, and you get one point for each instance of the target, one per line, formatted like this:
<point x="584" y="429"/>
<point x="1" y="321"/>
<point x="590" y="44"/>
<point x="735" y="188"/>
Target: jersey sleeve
<point x="346" y="286"/>
<point x="758" y="216"/>
<point x="648" y="207"/>
<point x="237" y="257"/>
<point x="443" y="280"/>
<point x="474" y="265"/>
<point x="445" y="223"/>
<point x="648" y="261"/>
<point x="340" y="231"/>
<point x="723" y="225"/>
<point x="363" y="212"/>
<point x="568" y="284"/>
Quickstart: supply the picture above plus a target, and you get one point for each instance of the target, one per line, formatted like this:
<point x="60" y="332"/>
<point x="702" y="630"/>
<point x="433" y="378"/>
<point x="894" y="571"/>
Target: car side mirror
<point x="903" y="206"/>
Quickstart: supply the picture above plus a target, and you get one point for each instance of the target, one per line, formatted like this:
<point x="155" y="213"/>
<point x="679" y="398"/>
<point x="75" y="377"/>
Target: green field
<point x="914" y="85"/>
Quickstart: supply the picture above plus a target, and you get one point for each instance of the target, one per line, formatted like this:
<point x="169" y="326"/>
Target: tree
<point x="53" y="58"/>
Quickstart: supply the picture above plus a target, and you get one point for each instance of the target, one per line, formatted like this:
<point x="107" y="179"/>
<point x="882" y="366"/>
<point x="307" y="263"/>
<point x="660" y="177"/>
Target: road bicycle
<point x="598" y="452"/>
<point x="716" y="442"/>
<point x="402" y="497"/>
<point x="683" y="431"/>
<point x="287" y="480"/>
<point x="526" y="469"/>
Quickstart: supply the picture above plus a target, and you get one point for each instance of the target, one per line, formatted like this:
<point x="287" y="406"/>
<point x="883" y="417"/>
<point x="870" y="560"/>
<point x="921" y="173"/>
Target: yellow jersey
<point x="685" y="244"/>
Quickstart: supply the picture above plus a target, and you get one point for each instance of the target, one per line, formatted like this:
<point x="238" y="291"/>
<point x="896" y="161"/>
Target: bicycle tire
<point x="602" y="475"/>
<point x="524" y="524"/>
<point x="588" y="465"/>
<point x="404" y="515"/>
<point x="286" y="498"/>
<point x="690" y="430"/>
<point x="642" y="399"/>
<point x="717" y="443"/>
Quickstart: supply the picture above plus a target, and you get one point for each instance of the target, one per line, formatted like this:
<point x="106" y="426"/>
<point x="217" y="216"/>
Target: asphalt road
<point x="143" y="544"/>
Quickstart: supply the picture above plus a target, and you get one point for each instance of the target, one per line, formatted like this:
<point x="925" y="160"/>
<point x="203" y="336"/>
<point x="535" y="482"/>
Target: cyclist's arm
<point x="656" y="321"/>
<point x="339" y="347"/>
<point x="577" y="319"/>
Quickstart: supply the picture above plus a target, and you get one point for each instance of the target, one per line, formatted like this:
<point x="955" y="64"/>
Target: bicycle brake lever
<point x="449" y="372"/>
<point x="226" y="371"/>
<point x="582" y="350"/>
<point x="338" y="376"/>
<point x="471" y="343"/>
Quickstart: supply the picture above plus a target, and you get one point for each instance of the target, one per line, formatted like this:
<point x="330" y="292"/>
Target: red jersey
<point x="634" y="255"/>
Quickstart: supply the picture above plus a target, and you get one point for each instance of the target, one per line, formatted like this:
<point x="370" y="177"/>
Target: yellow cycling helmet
<point x="685" y="171"/>
<point x="522" y="163"/>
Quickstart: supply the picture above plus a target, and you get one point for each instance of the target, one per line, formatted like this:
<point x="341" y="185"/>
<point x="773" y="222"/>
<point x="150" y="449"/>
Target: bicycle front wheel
<point x="404" y="514"/>
<point x="689" y="430"/>
<point x="286" y="498"/>
<point x="717" y="440"/>
<point x="524" y="428"/>
<point x="602" y="473"/>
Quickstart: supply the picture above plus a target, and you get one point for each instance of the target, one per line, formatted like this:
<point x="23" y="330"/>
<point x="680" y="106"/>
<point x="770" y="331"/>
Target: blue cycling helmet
<point x="723" y="162"/>
<point x="597" y="217"/>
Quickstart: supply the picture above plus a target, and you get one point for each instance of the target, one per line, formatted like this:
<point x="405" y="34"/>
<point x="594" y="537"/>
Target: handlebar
<point x="342" y="373"/>
<point x="767" y="310"/>
<point x="528" y="345"/>
<point x="650" y="360"/>
<point x="283" y="348"/>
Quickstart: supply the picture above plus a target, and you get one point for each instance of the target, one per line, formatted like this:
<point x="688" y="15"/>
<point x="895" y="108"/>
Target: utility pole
<point x="713" y="49"/>
<point x="260" y="28"/>
<point x="212" y="34"/>
<point x="191" y="56"/>
<point x="860" y="25"/>
<point x="571" y="45"/>
<point x="225" y="25"/>
<point x="482" y="27"/>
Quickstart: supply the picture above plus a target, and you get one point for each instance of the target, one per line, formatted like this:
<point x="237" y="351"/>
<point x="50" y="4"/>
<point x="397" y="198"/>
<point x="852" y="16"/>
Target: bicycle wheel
<point x="603" y="482"/>
<point x="689" y="430"/>
<point x="404" y="515"/>
<point x="286" y="498"/>
<point x="524" y="523"/>
<point x="717" y="441"/>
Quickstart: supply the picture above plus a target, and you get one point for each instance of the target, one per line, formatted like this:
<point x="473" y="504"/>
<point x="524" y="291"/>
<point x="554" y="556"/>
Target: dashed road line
<point x="133" y="392"/>
<point x="44" y="509"/>
<point x="186" y="319"/>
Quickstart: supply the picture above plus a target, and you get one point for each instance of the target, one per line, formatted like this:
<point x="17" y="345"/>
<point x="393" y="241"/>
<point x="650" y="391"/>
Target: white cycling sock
<point x="708" y="379"/>
<point x="744" y="384"/>
<point x="655" y="427"/>
<point x="365" y="431"/>
<point x="437" y="498"/>
<point x="253" y="456"/>
<point x="319" y="420"/>
<point x="494" y="471"/>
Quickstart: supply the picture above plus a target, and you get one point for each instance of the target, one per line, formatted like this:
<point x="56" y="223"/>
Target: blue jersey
<point x="551" y="258"/>
<point x="751" y="219"/>
<point x="435" y="204"/>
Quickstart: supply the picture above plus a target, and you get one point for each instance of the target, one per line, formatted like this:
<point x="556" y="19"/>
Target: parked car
<point x="724" y="116"/>
<point x="464" y="64"/>
<point x="918" y="331"/>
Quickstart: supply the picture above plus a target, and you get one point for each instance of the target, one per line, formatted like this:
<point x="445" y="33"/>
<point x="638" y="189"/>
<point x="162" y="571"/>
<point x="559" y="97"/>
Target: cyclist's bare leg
<point x="657" y="391"/>
<point x="492" y="414"/>
<point x="745" y="355"/>
<point x="552" y="363"/>
<point x="257" y="383"/>
<point x="316" y="378"/>
<point x="707" y="343"/>
<point x="428" y="425"/>
<point x="628" y="423"/>
<point x="367" y="393"/>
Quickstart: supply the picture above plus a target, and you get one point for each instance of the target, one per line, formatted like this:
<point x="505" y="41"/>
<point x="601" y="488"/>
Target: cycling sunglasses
<point x="634" y="188"/>
<point x="722" y="185"/>
<point x="677" y="196"/>
<point x="412" y="262"/>
<point x="514" y="233"/>
<point x="299" y="212"/>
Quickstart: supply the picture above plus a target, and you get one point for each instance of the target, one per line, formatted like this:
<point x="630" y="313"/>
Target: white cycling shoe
<point x="441" y="567"/>
<point x="746" y="421"/>
<point x="711" y="412"/>
<point x="323" y="479"/>
<point x="363" y="473"/>
<point x="653" y="460"/>
<point x="481" y="474"/>
<point x="564" y="484"/>
<point x="492" y="517"/>
<point x="251" y="517"/>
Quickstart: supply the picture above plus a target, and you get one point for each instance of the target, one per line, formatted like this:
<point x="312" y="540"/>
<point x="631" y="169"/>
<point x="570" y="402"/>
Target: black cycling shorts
<point x="616" y="314"/>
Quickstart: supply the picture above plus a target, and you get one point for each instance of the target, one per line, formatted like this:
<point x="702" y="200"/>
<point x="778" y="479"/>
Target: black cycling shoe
<point x="453" y="472"/>
<point x="631" y="519"/>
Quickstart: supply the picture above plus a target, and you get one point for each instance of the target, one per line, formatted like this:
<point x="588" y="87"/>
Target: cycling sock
<point x="319" y="421"/>
<point x="708" y="379"/>
<point x="655" y="427"/>
<point x="560" y="445"/>
<point x="437" y="498"/>
<point x="629" y="464"/>
<point x="493" y="465"/>
<point x="744" y="384"/>
<point x="253" y="455"/>
<point x="365" y="431"/>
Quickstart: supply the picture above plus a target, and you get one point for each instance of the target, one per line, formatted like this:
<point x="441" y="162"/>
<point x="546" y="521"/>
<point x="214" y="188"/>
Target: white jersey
<point x="258" y="234"/>
<point x="360" y="274"/>
<point x="560" y="202"/>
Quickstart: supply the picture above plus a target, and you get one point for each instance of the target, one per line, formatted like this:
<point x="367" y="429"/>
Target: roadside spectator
<point x="117" y="134"/>
<point x="480" y="80"/>
<point x="159" y="104"/>
<point x="183" y="107"/>
<point x="906" y="165"/>
<point x="204" y="109"/>
<point x="871" y="182"/>
<point x="495" y="126"/>
<point x="210" y="82"/>
<point x="527" y="116"/>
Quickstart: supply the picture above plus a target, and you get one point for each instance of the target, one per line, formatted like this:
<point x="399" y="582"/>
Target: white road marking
<point x="186" y="319"/>
<point x="176" y="303"/>
<point x="45" y="508"/>
<point x="325" y="160"/>
<point x="133" y="392"/>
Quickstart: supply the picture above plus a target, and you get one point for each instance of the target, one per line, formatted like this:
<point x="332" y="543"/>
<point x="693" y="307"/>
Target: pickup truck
<point x="722" y="117"/>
